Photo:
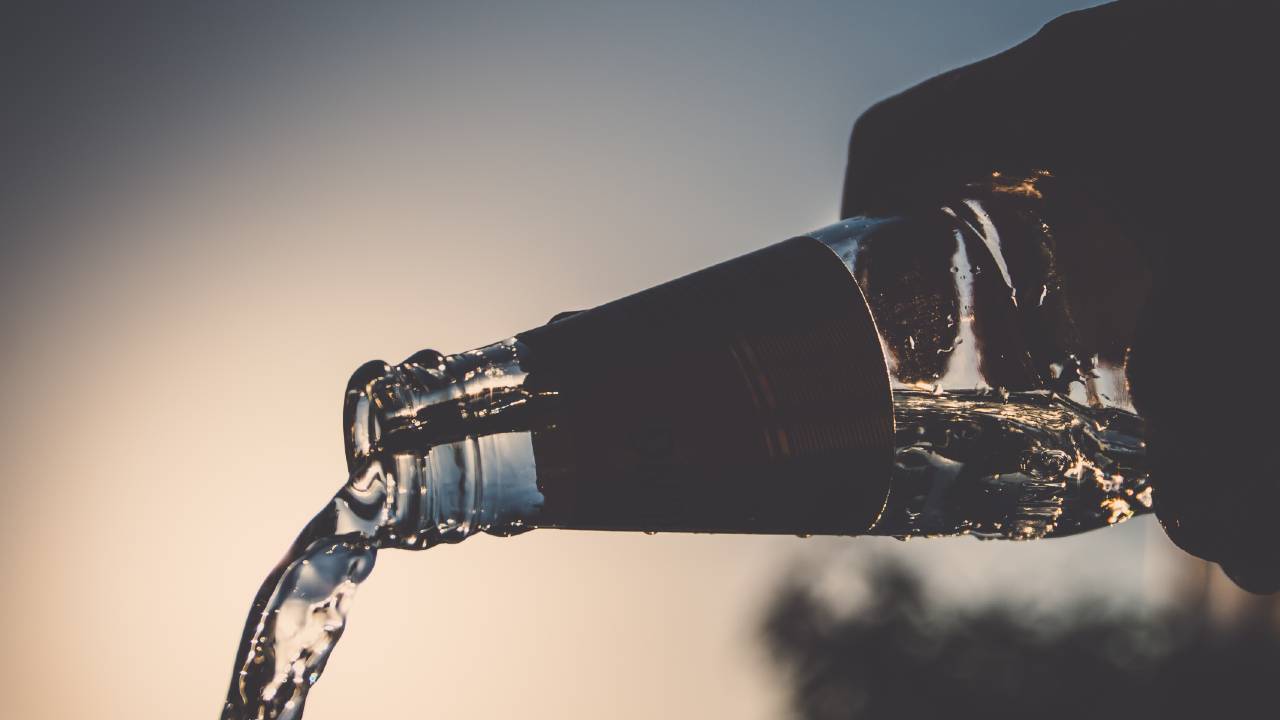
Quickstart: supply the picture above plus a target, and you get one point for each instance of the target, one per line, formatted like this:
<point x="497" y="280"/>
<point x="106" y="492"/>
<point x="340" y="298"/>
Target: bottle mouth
<point x="426" y="424"/>
<point x="361" y="418"/>
<point x="383" y="402"/>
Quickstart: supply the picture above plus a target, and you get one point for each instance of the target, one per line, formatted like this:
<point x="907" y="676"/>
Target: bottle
<point x="959" y="371"/>
<point x="951" y="371"/>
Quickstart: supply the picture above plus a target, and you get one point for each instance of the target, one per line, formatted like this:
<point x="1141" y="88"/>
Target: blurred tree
<point x="902" y="655"/>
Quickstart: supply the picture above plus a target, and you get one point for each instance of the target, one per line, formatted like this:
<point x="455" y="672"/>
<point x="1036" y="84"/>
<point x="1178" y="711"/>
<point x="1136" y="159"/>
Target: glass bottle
<point x="959" y="371"/>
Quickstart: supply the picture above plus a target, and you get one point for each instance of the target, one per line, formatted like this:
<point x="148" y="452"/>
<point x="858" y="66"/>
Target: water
<point x="1016" y="466"/>
<point x="301" y="609"/>
<point x="404" y="500"/>
<point x="993" y="465"/>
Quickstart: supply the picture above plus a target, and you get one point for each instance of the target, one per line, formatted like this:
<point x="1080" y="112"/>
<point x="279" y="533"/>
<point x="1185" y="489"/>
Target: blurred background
<point x="210" y="214"/>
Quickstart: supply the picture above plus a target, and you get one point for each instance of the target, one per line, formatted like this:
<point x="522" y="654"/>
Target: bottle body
<point x="761" y="396"/>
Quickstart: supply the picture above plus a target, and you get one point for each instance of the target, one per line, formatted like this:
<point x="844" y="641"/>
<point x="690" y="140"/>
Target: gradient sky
<point x="210" y="215"/>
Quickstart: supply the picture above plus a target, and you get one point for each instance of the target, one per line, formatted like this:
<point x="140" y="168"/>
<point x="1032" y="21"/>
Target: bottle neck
<point x="454" y="434"/>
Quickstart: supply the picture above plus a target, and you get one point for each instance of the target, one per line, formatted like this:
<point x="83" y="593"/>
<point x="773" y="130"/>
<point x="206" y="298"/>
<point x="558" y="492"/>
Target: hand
<point x="1162" y="113"/>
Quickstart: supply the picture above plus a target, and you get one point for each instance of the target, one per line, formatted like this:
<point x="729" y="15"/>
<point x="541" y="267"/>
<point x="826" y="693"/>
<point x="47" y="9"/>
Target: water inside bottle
<point x="1017" y="466"/>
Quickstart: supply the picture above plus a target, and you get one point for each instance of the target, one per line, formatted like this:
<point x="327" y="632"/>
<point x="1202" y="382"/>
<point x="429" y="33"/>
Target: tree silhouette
<point x="903" y="656"/>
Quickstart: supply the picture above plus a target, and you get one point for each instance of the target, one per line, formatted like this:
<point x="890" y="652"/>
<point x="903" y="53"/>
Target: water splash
<point x="301" y="609"/>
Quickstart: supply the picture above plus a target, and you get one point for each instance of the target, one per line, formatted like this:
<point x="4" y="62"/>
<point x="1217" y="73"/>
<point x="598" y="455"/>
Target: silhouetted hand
<point x="1161" y="113"/>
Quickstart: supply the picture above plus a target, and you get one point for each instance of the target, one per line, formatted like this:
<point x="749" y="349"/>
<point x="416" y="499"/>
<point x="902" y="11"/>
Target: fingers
<point x="1230" y="525"/>
<point x="915" y="146"/>
<point x="1075" y="98"/>
<point x="1200" y="377"/>
<point x="947" y="131"/>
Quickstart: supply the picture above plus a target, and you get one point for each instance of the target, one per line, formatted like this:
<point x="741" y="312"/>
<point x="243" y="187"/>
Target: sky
<point x="210" y="214"/>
